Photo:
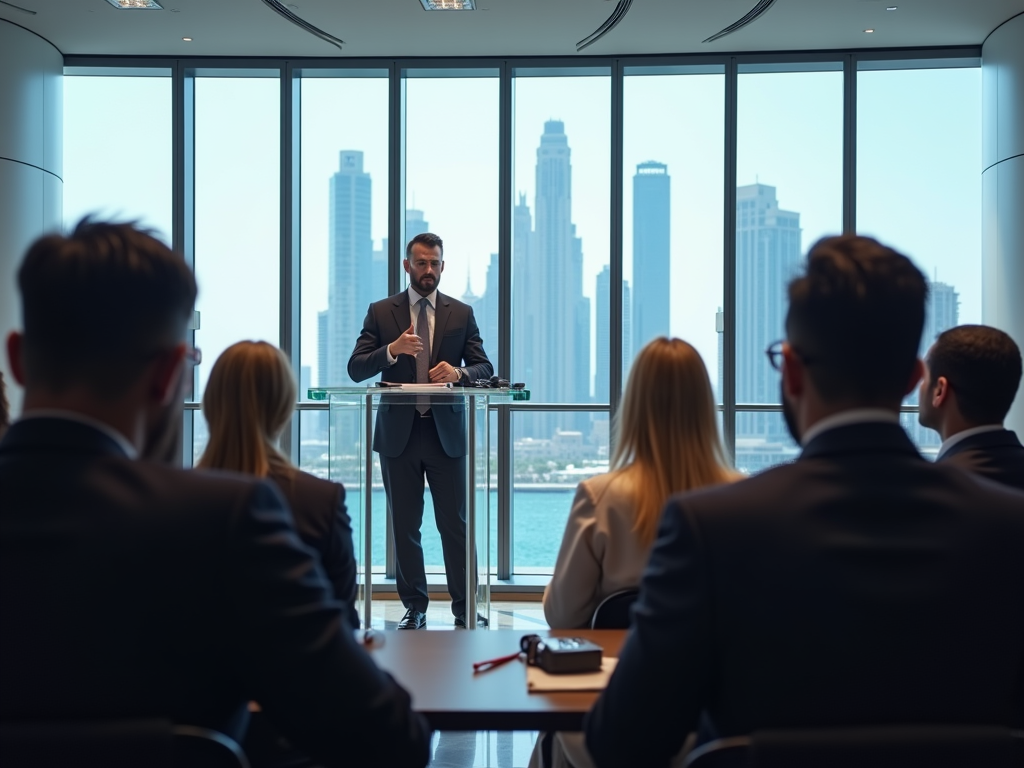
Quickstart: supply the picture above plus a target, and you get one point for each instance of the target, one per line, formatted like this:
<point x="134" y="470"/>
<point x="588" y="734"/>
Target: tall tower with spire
<point x="553" y="315"/>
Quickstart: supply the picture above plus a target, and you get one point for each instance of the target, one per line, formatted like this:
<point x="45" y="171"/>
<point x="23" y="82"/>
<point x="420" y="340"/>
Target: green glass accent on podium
<point x="351" y="462"/>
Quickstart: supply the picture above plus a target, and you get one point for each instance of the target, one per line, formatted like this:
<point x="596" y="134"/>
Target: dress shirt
<point x="414" y="315"/>
<point x="58" y="413"/>
<point x="954" y="439"/>
<point x="846" y="418"/>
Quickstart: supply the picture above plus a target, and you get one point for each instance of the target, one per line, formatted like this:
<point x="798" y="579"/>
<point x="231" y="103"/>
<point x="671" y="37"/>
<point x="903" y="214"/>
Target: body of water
<point x="538" y="521"/>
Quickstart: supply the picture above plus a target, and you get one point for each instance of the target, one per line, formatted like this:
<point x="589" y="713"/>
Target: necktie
<point x="423" y="358"/>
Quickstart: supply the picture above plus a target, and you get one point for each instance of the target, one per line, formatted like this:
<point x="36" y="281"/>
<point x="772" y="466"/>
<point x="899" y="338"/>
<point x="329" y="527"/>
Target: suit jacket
<point x="456" y="339"/>
<point x="998" y="456"/>
<point x="600" y="553"/>
<point x="131" y="589"/>
<point x="322" y="522"/>
<point x="859" y="585"/>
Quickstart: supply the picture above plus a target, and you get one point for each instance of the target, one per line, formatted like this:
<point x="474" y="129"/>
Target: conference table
<point x="436" y="667"/>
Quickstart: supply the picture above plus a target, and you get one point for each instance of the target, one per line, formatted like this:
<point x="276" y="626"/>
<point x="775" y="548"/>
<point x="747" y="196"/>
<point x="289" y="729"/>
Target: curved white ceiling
<point x="503" y="27"/>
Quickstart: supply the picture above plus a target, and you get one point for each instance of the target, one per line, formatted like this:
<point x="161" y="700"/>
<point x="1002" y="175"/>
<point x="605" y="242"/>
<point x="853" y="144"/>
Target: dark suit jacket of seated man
<point x="994" y="453"/>
<point x="410" y="446"/>
<point x="132" y="589"/>
<point x="859" y="585"/>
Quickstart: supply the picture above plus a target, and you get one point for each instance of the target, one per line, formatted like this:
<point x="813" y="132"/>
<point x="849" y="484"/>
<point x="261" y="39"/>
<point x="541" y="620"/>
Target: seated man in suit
<point x="131" y="589"/>
<point x="859" y="585"/>
<point x="972" y="375"/>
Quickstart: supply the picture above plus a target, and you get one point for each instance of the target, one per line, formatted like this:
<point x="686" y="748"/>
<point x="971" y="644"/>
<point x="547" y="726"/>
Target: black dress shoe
<point x="460" y="621"/>
<point x="413" y="619"/>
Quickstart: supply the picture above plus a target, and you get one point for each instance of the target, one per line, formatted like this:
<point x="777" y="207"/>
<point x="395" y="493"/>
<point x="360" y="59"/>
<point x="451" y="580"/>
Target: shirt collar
<point x="846" y="418"/>
<point x="414" y="298"/>
<point x="953" y="440"/>
<point x="58" y="413"/>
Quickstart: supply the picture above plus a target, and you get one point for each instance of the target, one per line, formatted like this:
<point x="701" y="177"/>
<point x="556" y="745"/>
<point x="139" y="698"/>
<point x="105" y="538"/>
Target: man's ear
<point x="405" y="264"/>
<point x="940" y="392"/>
<point x="15" y="355"/>
<point x="794" y="375"/>
<point x="166" y="375"/>
<point x="915" y="376"/>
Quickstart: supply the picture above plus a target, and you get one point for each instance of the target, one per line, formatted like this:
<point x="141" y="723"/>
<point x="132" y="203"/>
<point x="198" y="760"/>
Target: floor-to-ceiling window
<point x="789" y="193"/>
<point x="237" y="201"/>
<point x="610" y="237"/>
<point x="919" y="187"/>
<point x="560" y="248"/>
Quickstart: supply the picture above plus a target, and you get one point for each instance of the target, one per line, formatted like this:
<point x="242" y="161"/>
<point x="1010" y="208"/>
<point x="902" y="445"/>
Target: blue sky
<point x="918" y="184"/>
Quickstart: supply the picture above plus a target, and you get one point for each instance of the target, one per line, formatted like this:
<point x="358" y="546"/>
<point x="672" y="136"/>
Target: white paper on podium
<point x="539" y="681"/>
<point x="422" y="387"/>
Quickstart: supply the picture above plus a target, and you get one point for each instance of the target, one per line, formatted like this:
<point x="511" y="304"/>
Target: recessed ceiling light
<point x="869" y="31"/>
<point x="448" y="5"/>
<point x="187" y="39"/>
<point x="137" y="5"/>
<point x="891" y="7"/>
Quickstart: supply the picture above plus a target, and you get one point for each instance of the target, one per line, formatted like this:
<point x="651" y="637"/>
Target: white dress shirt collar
<point x="57" y="413"/>
<point x="846" y="418"/>
<point x="414" y="298"/>
<point x="953" y="440"/>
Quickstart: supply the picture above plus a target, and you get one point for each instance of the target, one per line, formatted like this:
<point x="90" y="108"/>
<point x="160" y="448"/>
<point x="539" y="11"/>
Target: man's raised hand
<point x="409" y="343"/>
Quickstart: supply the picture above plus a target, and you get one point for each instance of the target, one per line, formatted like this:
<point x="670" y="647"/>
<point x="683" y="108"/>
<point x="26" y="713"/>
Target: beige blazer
<point x="600" y="553"/>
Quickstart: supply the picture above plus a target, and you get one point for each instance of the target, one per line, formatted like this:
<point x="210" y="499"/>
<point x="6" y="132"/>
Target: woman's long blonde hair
<point x="247" y="403"/>
<point x="666" y="433"/>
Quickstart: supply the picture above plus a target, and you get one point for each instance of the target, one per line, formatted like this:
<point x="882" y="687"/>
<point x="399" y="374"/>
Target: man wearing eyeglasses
<point x="130" y="589"/>
<point x="423" y="336"/>
<point x="860" y="585"/>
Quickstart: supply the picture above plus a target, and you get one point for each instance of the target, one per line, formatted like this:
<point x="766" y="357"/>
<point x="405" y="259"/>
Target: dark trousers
<point x="403" y="483"/>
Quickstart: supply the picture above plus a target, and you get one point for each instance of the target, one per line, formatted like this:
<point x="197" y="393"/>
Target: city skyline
<point x="548" y="259"/>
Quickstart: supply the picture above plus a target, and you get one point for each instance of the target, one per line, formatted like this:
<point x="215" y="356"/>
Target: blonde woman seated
<point x="666" y="441"/>
<point x="247" y="403"/>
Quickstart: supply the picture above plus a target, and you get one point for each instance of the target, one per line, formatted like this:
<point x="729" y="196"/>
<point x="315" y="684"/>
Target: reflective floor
<point x="474" y="749"/>
<point x="504" y="615"/>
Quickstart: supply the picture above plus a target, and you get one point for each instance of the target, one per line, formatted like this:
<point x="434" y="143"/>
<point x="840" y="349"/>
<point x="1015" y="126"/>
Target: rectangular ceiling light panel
<point x="137" y="5"/>
<point x="448" y="5"/>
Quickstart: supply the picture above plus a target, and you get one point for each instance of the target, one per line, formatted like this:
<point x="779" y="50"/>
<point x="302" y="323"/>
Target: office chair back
<point x="936" y="746"/>
<point x="613" y="611"/>
<point x="129" y="743"/>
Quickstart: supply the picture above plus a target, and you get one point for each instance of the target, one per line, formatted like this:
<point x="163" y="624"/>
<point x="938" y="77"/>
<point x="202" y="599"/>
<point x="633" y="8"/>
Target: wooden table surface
<point x="437" y="669"/>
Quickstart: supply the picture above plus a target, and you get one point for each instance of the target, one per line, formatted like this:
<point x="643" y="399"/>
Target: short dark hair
<point x="98" y="303"/>
<point x="983" y="367"/>
<point x="428" y="239"/>
<point x="856" y="316"/>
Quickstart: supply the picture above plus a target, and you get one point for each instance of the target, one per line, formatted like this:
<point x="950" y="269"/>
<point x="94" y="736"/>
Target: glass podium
<point x="352" y="462"/>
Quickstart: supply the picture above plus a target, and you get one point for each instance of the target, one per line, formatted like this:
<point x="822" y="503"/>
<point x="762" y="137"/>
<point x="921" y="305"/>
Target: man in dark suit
<point x="422" y="336"/>
<point x="971" y="378"/>
<point x="859" y="585"/>
<point x="131" y="589"/>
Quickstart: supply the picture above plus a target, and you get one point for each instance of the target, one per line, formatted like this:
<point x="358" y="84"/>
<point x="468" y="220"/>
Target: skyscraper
<point x="603" y="347"/>
<point x="651" y="241"/>
<point x="551" y="312"/>
<point x="322" y="324"/>
<point x="942" y="312"/>
<point x="415" y="224"/>
<point x="349" y="292"/>
<point x="767" y="258"/>
<point x="485" y="308"/>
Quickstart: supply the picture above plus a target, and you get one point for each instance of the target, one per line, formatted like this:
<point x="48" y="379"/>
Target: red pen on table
<point x="483" y="666"/>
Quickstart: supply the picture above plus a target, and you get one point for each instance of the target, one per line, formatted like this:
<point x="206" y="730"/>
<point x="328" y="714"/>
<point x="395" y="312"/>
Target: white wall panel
<point x="1003" y="187"/>
<point x="31" y="165"/>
